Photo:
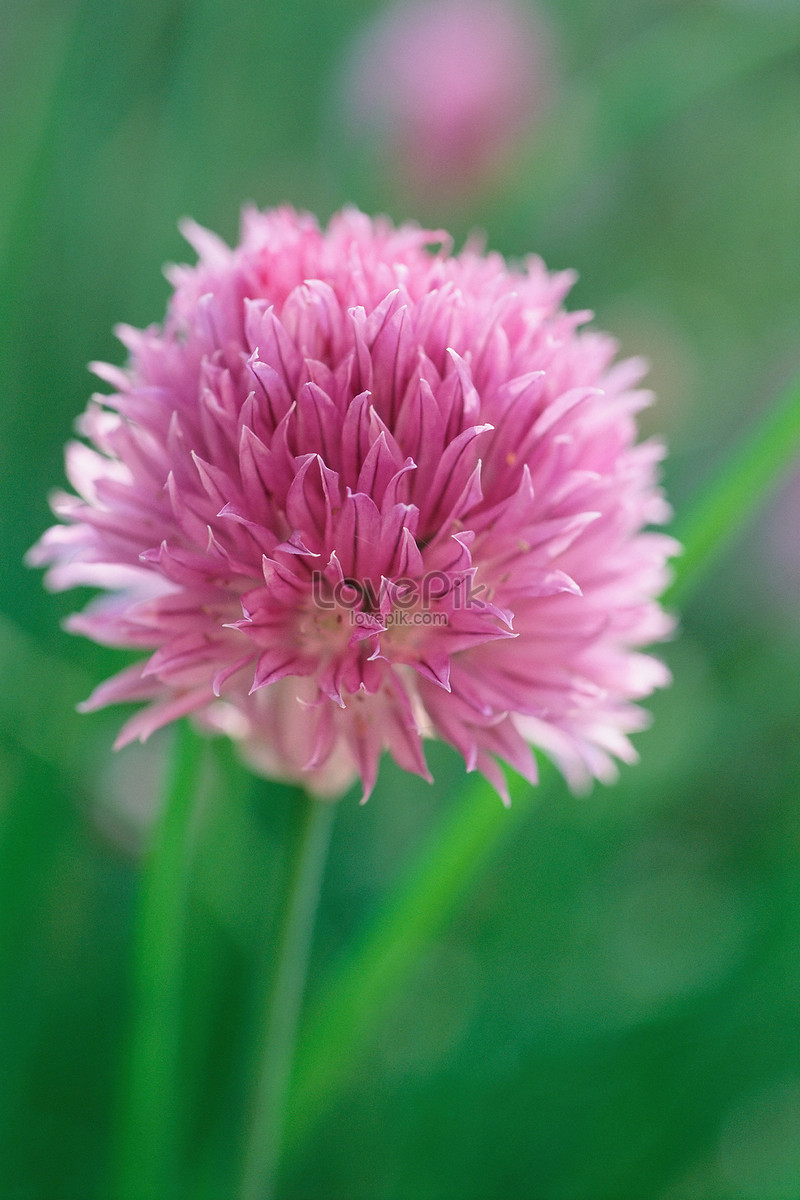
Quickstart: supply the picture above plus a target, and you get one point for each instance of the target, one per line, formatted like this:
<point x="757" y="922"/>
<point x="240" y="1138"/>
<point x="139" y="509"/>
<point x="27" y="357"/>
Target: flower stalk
<point x="282" y="996"/>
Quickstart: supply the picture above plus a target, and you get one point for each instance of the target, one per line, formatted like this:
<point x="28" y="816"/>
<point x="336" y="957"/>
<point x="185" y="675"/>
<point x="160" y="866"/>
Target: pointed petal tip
<point x="126" y="737"/>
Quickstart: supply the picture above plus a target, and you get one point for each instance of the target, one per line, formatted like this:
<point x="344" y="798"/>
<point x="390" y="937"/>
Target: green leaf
<point x="736" y="492"/>
<point x="151" y="1112"/>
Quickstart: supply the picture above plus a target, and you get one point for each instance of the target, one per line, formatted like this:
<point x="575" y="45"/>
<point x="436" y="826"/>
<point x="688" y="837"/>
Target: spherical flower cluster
<point x="357" y="491"/>
<point x="448" y="89"/>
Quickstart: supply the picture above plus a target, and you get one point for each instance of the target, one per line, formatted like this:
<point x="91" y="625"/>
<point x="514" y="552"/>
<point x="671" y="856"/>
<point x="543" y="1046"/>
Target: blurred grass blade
<point x="621" y="102"/>
<point x="677" y="63"/>
<point x="736" y="492"/>
<point x="282" y="995"/>
<point x="38" y="699"/>
<point x="351" y="1005"/>
<point x="28" y="99"/>
<point x="151" y="1114"/>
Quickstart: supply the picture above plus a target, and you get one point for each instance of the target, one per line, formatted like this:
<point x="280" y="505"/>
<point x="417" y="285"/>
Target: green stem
<point x="354" y="1000"/>
<point x="147" y="1168"/>
<point x="736" y="492"/>
<point x="283" y="996"/>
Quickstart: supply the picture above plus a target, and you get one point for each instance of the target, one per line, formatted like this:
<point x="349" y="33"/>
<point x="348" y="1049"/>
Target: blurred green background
<point x="614" y="1012"/>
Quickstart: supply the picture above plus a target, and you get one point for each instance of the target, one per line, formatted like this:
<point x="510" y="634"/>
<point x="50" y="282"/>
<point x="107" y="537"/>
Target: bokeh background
<point x="613" y="1011"/>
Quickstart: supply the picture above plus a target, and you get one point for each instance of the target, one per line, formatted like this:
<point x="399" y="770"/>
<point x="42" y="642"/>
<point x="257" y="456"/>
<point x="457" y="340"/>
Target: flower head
<point x="448" y="87"/>
<point x="356" y="491"/>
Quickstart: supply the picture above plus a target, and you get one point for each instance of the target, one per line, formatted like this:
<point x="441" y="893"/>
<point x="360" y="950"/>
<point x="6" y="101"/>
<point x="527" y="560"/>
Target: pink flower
<point x="356" y="492"/>
<point x="448" y="88"/>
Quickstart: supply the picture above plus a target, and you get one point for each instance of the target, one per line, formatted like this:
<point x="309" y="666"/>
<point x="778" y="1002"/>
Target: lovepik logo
<point x="411" y="602"/>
